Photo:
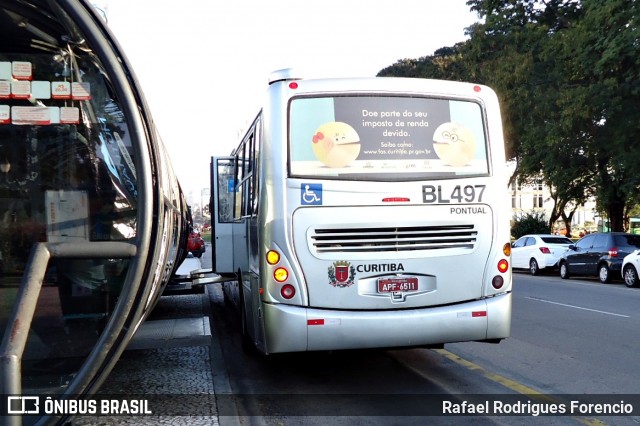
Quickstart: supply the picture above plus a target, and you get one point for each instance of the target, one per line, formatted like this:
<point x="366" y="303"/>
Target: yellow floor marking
<point x="511" y="384"/>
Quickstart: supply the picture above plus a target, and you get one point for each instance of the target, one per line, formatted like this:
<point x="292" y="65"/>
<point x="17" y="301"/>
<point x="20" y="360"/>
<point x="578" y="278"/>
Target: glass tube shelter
<point x="92" y="218"/>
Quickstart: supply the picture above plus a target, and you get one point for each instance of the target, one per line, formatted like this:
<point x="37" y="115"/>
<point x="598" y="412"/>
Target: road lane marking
<point x="577" y="307"/>
<point x="512" y="384"/>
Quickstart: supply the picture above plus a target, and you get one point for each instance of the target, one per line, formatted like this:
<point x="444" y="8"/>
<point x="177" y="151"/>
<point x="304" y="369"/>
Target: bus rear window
<point x="386" y="138"/>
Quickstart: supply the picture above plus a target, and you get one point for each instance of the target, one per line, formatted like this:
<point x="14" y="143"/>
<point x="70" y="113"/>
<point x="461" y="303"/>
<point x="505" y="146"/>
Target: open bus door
<point x="222" y="208"/>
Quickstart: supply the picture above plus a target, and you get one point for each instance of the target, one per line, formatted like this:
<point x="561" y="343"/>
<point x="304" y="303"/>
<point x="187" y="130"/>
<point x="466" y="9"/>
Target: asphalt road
<point x="569" y="336"/>
<point x="570" y="340"/>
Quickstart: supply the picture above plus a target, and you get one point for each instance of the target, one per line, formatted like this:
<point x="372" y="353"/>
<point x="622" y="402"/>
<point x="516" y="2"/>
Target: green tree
<point x="566" y="73"/>
<point x="521" y="38"/>
<point x="445" y="63"/>
<point x="607" y="68"/>
<point x="584" y="109"/>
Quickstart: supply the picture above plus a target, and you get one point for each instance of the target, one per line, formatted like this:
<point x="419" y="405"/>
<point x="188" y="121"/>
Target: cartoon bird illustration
<point x="336" y="144"/>
<point x="454" y="144"/>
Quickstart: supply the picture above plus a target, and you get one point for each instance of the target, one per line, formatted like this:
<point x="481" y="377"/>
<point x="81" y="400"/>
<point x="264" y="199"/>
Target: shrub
<point x="529" y="223"/>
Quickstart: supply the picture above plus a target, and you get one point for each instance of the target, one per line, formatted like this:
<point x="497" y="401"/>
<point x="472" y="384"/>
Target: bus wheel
<point x="225" y="295"/>
<point x="248" y="346"/>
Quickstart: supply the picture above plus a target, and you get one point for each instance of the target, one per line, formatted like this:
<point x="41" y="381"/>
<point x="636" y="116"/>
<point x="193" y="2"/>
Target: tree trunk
<point x="616" y="215"/>
<point x="567" y="223"/>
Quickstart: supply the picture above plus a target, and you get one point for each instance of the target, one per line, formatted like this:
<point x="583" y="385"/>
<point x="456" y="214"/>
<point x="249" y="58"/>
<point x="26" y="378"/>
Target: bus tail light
<point x="503" y="266"/>
<point x="273" y="257"/>
<point x="280" y="274"/>
<point x="497" y="282"/>
<point x="281" y="285"/>
<point x="288" y="291"/>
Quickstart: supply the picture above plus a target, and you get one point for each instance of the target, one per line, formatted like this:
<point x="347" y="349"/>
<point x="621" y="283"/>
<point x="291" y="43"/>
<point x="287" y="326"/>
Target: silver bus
<point x="366" y="213"/>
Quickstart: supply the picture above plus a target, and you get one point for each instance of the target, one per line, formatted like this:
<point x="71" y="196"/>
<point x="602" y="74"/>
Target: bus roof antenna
<point x="283" y="74"/>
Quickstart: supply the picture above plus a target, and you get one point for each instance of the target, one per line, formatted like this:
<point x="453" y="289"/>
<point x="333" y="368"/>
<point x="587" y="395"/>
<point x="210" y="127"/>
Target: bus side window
<point x="245" y="179"/>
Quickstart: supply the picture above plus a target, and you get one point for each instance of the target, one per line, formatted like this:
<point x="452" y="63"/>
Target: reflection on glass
<point x="75" y="303"/>
<point x="67" y="175"/>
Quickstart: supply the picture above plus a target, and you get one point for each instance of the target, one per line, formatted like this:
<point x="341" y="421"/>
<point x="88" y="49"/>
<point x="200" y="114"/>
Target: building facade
<point x="536" y="197"/>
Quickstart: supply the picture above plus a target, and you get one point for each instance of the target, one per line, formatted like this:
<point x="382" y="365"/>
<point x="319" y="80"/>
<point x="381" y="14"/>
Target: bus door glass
<point x="223" y="186"/>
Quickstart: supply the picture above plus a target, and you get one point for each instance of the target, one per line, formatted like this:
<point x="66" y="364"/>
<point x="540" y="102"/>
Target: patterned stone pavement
<point x="176" y="380"/>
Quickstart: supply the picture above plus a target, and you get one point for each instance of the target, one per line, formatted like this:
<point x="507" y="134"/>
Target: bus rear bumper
<point x="295" y="329"/>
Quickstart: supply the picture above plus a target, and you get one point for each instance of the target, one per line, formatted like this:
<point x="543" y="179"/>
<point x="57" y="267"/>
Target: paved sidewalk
<point x="181" y="376"/>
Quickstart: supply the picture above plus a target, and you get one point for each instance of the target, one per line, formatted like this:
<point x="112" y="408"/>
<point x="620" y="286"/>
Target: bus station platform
<point x="170" y="358"/>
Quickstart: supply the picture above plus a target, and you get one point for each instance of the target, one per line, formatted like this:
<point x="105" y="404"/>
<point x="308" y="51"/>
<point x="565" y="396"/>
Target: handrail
<point x="19" y="322"/>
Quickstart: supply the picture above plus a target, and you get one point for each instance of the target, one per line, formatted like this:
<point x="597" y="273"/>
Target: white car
<point x="630" y="268"/>
<point x="538" y="251"/>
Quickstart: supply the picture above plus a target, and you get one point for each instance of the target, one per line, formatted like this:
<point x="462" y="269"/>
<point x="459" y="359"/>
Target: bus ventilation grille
<point x="353" y="240"/>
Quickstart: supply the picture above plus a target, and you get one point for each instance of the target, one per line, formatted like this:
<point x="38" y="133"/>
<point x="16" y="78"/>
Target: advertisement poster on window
<point x="388" y="137"/>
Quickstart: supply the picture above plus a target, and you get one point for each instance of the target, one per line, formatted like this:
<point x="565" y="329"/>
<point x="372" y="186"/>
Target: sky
<point x="204" y="64"/>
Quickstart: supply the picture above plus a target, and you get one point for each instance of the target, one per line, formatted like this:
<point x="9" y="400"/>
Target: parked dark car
<point x="195" y="244"/>
<point x="600" y="254"/>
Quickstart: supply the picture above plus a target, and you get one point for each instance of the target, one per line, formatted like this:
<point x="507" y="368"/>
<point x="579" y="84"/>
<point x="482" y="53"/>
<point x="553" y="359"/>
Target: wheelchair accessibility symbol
<point x="311" y="194"/>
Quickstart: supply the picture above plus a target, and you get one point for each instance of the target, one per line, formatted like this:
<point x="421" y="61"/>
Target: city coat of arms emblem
<point x="341" y="274"/>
